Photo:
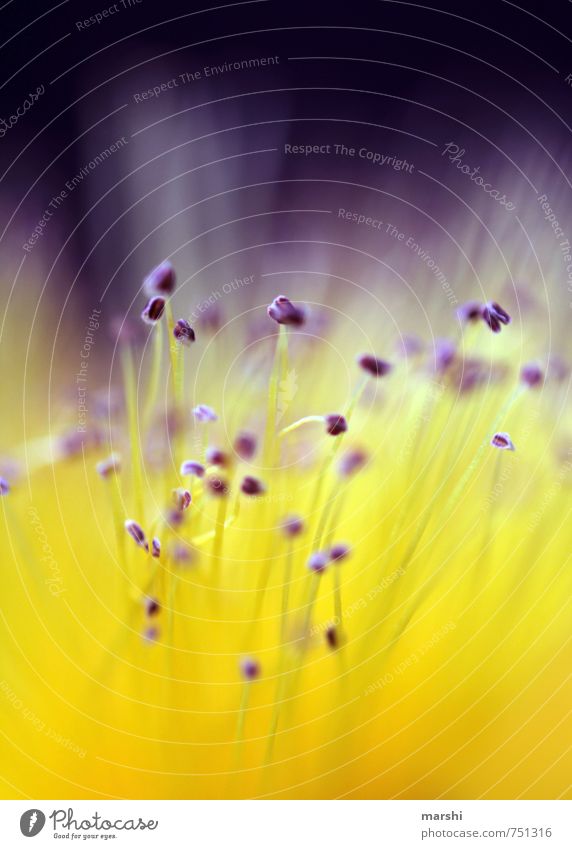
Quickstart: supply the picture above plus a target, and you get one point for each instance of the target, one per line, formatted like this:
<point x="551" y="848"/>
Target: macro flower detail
<point x="153" y="310"/>
<point x="283" y="311"/>
<point x="503" y="441"/>
<point x="183" y="332"/>
<point x="494" y="315"/>
<point x="161" y="281"/>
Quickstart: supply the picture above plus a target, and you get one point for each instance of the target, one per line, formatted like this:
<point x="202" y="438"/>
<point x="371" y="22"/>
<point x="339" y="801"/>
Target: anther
<point x="153" y="310"/>
<point x="161" y="281"/>
<point x="183" y="332"/>
<point x="335" y="424"/>
<point x="283" y="311"/>
<point x="373" y="365"/>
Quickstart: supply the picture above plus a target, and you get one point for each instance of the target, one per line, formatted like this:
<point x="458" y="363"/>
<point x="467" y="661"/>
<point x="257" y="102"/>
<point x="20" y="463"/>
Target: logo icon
<point x="32" y="822"/>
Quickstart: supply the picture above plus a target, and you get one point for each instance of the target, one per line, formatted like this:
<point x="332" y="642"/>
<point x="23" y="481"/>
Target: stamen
<point x="532" y="375"/>
<point x="292" y="526"/>
<point x="152" y="607"/>
<point x="352" y="462"/>
<point x="283" y="311"/>
<point x="318" y="562"/>
<point x="339" y="552"/>
<point x="137" y="533"/>
<point x="335" y="424"/>
<point x="111" y="465"/>
<point x="471" y="311"/>
<point x="373" y="365"/>
<point x="192" y="467"/>
<point x="252" y="486"/>
<point x="156" y="547"/>
<point x="4" y="486"/>
<point x="153" y="310"/>
<point x="151" y="634"/>
<point x="217" y="486"/>
<point x="216" y="457"/>
<point x="161" y="281"/>
<point x="202" y="413"/>
<point x="503" y="441"/>
<point x="332" y="637"/>
<point x="250" y="668"/>
<point x="245" y="445"/>
<point x="445" y="352"/>
<point x="494" y="315"/>
<point x="183" y="332"/>
<point x="181" y="498"/>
